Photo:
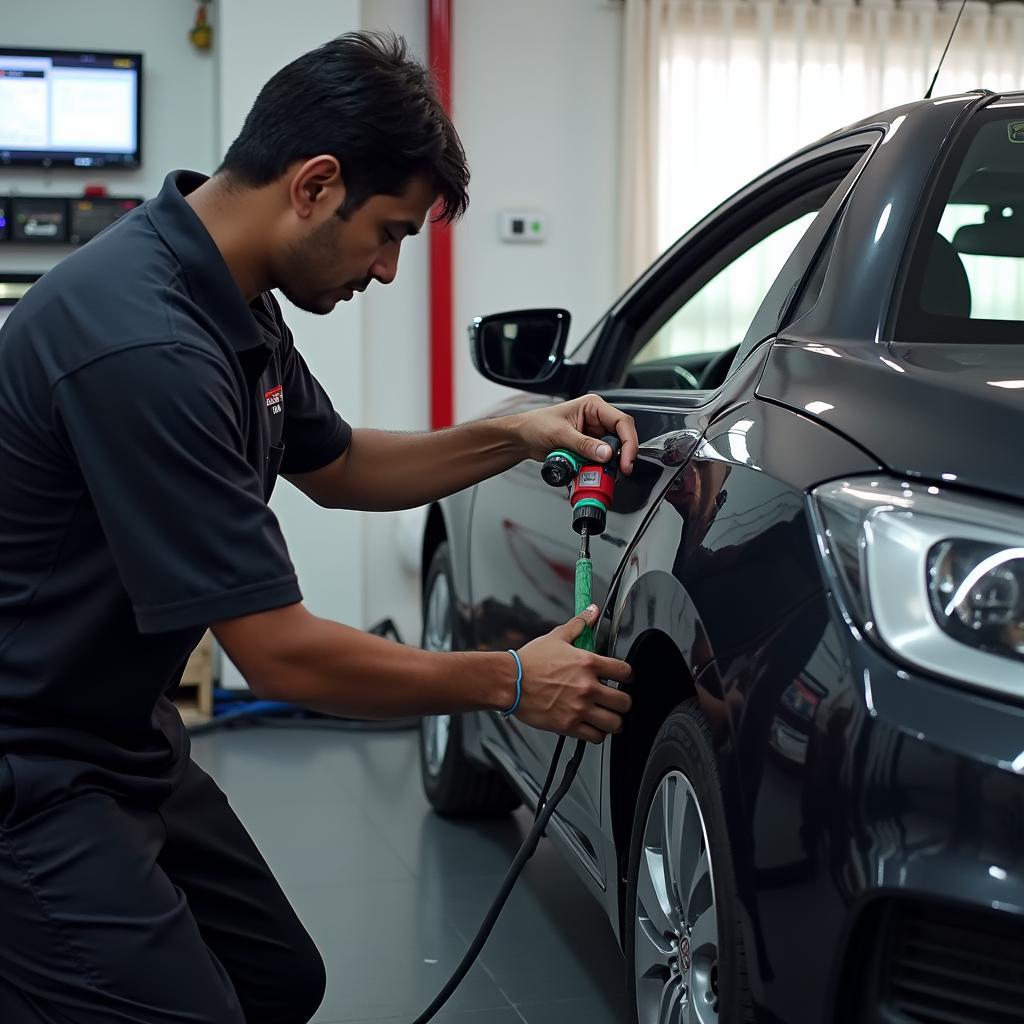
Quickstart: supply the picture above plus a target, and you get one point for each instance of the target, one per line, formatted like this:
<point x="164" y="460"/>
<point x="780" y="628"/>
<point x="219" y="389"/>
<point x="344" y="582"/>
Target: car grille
<point x="938" y="965"/>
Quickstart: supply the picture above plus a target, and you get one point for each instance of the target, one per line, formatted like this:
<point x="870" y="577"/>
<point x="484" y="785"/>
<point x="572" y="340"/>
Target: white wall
<point x="536" y="101"/>
<point x="178" y="102"/>
<point x="396" y="368"/>
<point x="257" y="38"/>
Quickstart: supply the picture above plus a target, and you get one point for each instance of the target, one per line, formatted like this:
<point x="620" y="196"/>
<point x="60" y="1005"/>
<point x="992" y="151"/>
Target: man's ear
<point x="316" y="181"/>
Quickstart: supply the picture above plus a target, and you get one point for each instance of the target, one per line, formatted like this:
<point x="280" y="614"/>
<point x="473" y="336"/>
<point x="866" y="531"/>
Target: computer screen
<point x="70" y="108"/>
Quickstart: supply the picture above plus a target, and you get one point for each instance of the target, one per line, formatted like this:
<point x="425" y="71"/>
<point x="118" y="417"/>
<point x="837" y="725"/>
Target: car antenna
<point x="928" y="94"/>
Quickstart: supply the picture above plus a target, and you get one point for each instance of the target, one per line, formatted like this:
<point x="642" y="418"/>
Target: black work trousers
<point x="111" y="913"/>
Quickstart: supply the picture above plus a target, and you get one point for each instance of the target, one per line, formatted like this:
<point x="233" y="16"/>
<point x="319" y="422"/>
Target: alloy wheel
<point x="437" y="636"/>
<point x="675" y="954"/>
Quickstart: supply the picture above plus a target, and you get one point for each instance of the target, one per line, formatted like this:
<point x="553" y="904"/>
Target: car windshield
<point x="966" y="281"/>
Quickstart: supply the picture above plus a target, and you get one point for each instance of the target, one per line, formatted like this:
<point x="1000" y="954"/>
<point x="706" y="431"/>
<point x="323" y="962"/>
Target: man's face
<point x="335" y="258"/>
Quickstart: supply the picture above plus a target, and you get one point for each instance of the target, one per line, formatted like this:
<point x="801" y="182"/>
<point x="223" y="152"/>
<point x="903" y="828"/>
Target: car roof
<point x="905" y="109"/>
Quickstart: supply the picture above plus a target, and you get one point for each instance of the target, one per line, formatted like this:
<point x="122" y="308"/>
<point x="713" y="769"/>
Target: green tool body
<point x="584" y="598"/>
<point x="591" y="492"/>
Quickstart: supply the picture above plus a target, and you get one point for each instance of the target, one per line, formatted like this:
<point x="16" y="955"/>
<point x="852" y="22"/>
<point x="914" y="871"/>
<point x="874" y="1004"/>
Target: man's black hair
<point x="362" y="99"/>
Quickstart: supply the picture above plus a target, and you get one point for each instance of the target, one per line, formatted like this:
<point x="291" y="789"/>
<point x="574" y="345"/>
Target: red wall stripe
<point x="442" y="369"/>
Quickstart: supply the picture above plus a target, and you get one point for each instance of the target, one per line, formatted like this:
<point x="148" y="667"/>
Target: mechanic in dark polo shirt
<point x="151" y="394"/>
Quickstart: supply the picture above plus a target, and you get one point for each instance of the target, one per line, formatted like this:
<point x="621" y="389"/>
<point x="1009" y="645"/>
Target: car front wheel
<point x="683" y="941"/>
<point x="455" y="785"/>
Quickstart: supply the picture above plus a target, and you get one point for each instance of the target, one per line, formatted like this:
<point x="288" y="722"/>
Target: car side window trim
<point x="790" y="293"/>
<point x="660" y="285"/>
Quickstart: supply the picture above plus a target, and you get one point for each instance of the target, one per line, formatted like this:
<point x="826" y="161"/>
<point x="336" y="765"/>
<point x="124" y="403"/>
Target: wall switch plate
<point x="522" y="226"/>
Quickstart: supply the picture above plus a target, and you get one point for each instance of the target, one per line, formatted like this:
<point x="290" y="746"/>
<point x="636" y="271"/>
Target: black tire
<point x="683" y="748"/>
<point x="455" y="786"/>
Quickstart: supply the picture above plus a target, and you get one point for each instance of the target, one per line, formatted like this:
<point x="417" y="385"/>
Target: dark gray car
<point x="815" y="812"/>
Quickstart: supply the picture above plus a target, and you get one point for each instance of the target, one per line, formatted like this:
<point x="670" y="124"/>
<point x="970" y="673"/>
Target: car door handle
<point x="671" y="449"/>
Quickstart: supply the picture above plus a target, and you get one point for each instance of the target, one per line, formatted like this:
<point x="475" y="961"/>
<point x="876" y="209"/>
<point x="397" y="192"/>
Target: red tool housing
<point x="596" y="482"/>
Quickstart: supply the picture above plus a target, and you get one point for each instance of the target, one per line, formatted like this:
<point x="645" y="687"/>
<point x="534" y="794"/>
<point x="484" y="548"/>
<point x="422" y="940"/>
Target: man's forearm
<point x="385" y="471"/>
<point x="288" y="654"/>
<point x="381" y="471"/>
<point x="333" y="668"/>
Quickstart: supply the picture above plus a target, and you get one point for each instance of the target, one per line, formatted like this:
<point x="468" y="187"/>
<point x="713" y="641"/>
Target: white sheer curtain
<point x="715" y="91"/>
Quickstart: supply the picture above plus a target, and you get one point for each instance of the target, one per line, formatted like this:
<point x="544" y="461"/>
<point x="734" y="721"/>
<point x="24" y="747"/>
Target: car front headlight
<point x="934" y="576"/>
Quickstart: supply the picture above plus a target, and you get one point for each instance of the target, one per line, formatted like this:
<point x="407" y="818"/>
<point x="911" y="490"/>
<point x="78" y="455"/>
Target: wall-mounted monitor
<point x="69" y="108"/>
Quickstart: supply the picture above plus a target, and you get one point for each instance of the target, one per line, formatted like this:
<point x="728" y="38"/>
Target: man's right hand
<point x="562" y="688"/>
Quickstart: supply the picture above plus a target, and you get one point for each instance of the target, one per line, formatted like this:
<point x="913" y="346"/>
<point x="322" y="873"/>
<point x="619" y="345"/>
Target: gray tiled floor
<point x="392" y="894"/>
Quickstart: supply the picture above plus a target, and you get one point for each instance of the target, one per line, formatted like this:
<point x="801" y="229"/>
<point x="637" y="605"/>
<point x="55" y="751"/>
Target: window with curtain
<point x="716" y="91"/>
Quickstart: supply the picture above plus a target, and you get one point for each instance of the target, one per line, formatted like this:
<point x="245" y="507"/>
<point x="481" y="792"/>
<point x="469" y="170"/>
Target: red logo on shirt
<point x="274" y="398"/>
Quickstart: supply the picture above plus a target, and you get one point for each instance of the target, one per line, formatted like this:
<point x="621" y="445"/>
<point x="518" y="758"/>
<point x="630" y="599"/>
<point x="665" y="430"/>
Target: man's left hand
<point x="578" y="426"/>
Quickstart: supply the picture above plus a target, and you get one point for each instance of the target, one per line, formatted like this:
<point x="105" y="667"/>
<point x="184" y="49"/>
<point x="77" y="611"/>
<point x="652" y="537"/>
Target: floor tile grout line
<point x="479" y="960"/>
<point x="518" y="1012"/>
<point x="490" y="974"/>
<point x="376" y="831"/>
<point x="351" y="800"/>
<point x="381" y="835"/>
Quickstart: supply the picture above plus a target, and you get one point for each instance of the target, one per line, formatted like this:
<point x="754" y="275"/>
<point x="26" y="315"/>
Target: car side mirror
<point x="523" y="349"/>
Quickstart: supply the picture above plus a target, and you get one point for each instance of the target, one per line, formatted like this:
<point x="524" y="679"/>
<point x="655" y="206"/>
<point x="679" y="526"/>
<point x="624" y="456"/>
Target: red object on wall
<point x="442" y="369"/>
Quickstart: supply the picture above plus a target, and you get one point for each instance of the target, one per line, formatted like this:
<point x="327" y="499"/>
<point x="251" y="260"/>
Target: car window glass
<point x="716" y="318"/>
<point x="580" y="351"/>
<point x="996" y="282"/>
<point x="966" y="278"/>
<point x="726" y="285"/>
<point x="812" y="287"/>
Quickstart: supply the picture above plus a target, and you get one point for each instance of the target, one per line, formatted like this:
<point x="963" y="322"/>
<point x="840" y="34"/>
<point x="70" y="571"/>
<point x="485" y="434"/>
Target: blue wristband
<point x="519" y="688"/>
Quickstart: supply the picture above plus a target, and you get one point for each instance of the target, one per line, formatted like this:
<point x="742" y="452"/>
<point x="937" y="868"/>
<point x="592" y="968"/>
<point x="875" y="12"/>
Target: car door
<point x="748" y="259"/>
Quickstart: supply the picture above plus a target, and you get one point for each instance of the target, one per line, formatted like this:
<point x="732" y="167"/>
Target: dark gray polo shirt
<point x="147" y="411"/>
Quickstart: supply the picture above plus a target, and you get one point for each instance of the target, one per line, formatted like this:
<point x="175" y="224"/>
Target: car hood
<point x="940" y="412"/>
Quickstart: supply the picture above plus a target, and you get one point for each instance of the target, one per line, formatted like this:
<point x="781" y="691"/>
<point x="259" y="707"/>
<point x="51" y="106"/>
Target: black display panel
<point x="88" y="217"/>
<point x="70" y="108"/>
<point x="39" y="219"/>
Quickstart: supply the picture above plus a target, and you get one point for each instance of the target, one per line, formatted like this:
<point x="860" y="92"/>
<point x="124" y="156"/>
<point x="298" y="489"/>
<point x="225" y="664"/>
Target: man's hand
<point x="562" y="688"/>
<point x="577" y="426"/>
